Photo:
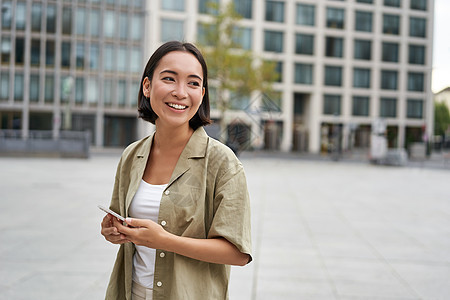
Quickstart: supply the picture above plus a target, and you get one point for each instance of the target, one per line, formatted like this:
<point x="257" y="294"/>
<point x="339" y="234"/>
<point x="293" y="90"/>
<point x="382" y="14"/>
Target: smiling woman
<point x="184" y="194"/>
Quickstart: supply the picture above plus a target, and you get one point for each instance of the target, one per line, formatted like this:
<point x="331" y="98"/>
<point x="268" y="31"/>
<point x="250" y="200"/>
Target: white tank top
<point x="145" y="205"/>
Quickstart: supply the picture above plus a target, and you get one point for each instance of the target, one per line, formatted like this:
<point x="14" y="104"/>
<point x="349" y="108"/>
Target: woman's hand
<point x="143" y="232"/>
<point x="150" y="234"/>
<point x="110" y="232"/>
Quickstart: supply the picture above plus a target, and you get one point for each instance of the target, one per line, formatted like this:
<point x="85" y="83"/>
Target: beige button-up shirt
<point x="206" y="197"/>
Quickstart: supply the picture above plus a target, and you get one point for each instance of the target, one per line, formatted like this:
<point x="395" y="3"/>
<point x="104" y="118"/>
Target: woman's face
<point x="176" y="90"/>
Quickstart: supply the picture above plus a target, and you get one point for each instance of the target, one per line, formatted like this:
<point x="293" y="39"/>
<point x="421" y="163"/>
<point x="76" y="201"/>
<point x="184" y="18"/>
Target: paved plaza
<point x="321" y="230"/>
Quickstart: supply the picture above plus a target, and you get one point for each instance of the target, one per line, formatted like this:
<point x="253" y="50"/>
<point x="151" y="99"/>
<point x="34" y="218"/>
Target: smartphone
<point x="107" y="210"/>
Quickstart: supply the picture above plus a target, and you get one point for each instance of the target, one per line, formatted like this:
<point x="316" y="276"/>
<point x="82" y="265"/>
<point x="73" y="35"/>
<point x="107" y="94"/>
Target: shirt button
<point x="159" y="283"/>
<point x="162" y="254"/>
<point x="167" y="192"/>
<point x="163" y="223"/>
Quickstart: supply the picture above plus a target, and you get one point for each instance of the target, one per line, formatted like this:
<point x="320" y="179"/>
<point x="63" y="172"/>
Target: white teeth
<point x="176" y="106"/>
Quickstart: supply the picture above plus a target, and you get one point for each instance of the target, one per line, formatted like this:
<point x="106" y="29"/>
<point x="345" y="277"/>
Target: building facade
<point x="72" y="65"/>
<point x="343" y="64"/>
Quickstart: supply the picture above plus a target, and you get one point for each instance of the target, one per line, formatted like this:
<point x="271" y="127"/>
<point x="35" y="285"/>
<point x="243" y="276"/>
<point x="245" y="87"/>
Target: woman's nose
<point x="179" y="91"/>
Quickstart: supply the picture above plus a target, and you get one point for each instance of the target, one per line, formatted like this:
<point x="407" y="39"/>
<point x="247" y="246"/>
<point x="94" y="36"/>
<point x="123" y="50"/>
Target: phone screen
<point x="107" y="210"/>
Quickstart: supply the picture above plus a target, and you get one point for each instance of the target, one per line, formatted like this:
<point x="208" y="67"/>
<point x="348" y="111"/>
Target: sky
<point x="441" y="43"/>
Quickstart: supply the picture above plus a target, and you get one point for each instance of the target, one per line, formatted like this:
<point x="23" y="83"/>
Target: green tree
<point x="441" y="118"/>
<point x="232" y="70"/>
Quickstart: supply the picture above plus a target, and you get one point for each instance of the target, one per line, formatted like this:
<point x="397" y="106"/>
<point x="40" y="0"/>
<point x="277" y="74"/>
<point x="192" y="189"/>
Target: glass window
<point x="92" y="91"/>
<point x="365" y="1"/>
<point x="303" y="73"/>
<point x="391" y="24"/>
<point x="51" y="18"/>
<point x="80" y="26"/>
<point x="79" y="90"/>
<point x="6" y="14"/>
<point x="79" y="53"/>
<point x="363" y="49"/>
<point x="4" y="86"/>
<point x="65" y="88"/>
<point x="274" y="11"/>
<point x="334" y="46"/>
<point x="121" y="92"/>
<point x="388" y="107"/>
<point x="361" y="78"/>
<point x="363" y="21"/>
<point x="176" y="5"/>
<point x="21" y="8"/>
<point x="332" y="105"/>
<point x="107" y="92"/>
<point x="390" y="52"/>
<point x="279" y="71"/>
<point x="65" y="54"/>
<point x="6" y="50"/>
<point x="335" y="18"/>
<point x="172" y="30"/>
<point x="240" y="102"/>
<point x="35" y="58"/>
<point x="417" y="27"/>
<point x="94" y="27"/>
<point x="136" y="27"/>
<point x="360" y="106"/>
<point x="242" y="37"/>
<point x="138" y="3"/>
<point x="333" y="75"/>
<point x="304" y="44"/>
<point x="108" y="57"/>
<point x="108" y="24"/>
<point x="416" y="81"/>
<point x="34" y="88"/>
<point x="50" y="53"/>
<point x="393" y="3"/>
<point x="419" y="4"/>
<point x="202" y="34"/>
<point x="414" y="108"/>
<point x="49" y="88"/>
<point x="122" y="60"/>
<point x="134" y="89"/>
<point x="208" y="7"/>
<point x="67" y="20"/>
<point x="123" y="26"/>
<point x="244" y="8"/>
<point x="136" y="60"/>
<point x="416" y="54"/>
<point x="389" y="79"/>
<point x="305" y="14"/>
<point x="94" y="57"/>
<point x="36" y="17"/>
<point x="273" y="41"/>
<point x="20" y="51"/>
<point x="18" y="87"/>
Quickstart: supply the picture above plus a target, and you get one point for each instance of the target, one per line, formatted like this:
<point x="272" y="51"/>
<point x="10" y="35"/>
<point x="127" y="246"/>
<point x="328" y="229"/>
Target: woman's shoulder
<point x="221" y="154"/>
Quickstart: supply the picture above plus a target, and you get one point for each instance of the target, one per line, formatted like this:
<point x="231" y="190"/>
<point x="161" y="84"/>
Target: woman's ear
<point x="146" y="87"/>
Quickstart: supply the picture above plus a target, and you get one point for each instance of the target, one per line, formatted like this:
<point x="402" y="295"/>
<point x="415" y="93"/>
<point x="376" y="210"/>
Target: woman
<point x="184" y="193"/>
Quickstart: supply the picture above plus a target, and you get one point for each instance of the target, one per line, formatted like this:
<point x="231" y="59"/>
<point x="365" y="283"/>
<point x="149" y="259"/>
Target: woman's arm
<point x="150" y="234"/>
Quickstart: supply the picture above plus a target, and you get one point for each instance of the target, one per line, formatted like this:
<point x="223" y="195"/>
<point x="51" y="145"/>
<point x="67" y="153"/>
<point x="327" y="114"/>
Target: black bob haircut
<point x="202" y="116"/>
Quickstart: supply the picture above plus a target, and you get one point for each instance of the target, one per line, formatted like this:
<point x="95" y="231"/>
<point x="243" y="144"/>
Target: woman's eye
<point x="168" y="79"/>
<point x="194" y="83"/>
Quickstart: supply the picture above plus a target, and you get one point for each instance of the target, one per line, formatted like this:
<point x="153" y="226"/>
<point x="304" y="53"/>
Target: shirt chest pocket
<point x="184" y="211"/>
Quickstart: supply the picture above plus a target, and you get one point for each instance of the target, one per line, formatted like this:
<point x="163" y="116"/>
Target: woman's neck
<point x="172" y="138"/>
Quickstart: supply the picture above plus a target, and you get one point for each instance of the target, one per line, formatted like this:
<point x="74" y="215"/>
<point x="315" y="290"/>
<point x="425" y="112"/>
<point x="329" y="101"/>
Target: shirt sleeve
<point x="232" y="209"/>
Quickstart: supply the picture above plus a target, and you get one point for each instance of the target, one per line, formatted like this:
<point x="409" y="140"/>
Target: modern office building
<point x="72" y="65"/>
<point x="343" y="66"/>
